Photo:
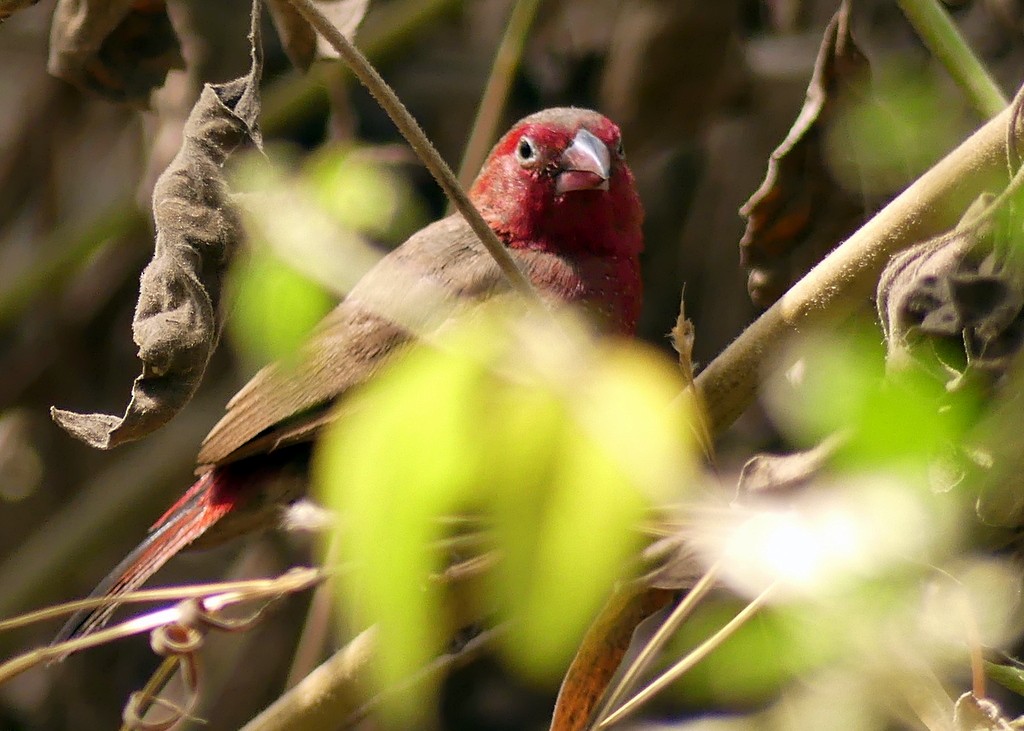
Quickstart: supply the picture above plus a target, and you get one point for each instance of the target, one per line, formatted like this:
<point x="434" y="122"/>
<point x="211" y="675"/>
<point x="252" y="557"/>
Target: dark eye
<point x="619" y="149"/>
<point x="524" y="150"/>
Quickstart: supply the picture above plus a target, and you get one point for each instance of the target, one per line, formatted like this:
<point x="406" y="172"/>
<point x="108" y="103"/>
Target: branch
<point x="417" y="139"/>
<point x="840" y="284"/>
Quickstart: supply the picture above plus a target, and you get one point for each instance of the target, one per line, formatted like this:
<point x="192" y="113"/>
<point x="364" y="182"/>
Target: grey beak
<point x="585" y="164"/>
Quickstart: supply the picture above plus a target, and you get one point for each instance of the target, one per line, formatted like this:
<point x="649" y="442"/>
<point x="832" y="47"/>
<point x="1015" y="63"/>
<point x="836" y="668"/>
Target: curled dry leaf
<point x="121" y="49"/>
<point x="953" y="305"/>
<point x="801" y="212"/>
<point x="176" y="325"/>
<point x="953" y="308"/>
<point x="300" y="41"/>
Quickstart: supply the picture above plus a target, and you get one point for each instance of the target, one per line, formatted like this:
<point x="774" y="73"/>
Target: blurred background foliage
<point x="703" y="92"/>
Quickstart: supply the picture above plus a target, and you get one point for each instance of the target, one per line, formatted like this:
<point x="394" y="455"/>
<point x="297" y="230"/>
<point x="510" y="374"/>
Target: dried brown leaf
<point x="176" y="325"/>
<point x="121" y="49"/>
<point x="300" y="41"/>
<point x="954" y="306"/>
<point x="345" y="15"/>
<point x="800" y="212"/>
<point x="297" y="36"/>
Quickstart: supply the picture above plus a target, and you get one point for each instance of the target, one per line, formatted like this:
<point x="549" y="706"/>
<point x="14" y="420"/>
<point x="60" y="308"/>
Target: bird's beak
<point x="584" y="165"/>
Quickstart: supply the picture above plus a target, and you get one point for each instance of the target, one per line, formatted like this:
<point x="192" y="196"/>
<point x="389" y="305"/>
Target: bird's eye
<point x="524" y="150"/>
<point x="619" y="149"/>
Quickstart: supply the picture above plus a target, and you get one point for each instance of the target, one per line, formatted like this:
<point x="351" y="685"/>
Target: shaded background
<point x="703" y="92"/>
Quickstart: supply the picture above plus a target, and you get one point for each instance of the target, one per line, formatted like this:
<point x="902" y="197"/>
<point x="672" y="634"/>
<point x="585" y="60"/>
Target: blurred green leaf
<point x="842" y="388"/>
<point x="882" y="142"/>
<point x="274" y="307"/>
<point x="561" y="443"/>
<point x="317" y="217"/>
<point x="365" y="194"/>
<point x="769" y="651"/>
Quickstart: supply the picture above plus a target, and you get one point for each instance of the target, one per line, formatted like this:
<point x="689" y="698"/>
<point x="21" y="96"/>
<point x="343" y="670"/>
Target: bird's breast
<point x="607" y="287"/>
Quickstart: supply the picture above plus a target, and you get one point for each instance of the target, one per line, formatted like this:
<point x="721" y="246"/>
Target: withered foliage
<point x="9" y="7"/>
<point x="953" y="305"/>
<point x="177" y="321"/>
<point x="953" y="308"/>
<point x="122" y="49"/>
<point x="298" y="38"/>
<point x="801" y="211"/>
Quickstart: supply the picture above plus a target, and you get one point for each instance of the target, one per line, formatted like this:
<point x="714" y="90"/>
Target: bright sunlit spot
<point x="816" y="542"/>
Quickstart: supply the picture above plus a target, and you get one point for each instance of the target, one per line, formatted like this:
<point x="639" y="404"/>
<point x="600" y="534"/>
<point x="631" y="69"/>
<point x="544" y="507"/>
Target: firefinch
<point x="557" y="191"/>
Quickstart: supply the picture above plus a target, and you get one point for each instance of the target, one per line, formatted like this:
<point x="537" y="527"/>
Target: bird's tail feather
<point x="198" y="509"/>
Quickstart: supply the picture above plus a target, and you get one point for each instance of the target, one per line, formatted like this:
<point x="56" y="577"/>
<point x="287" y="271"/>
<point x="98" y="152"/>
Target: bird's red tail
<point x="206" y="502"/>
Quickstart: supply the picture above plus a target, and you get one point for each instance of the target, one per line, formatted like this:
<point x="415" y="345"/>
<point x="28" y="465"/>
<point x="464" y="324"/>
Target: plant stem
<point x="506" y="60"/>
<point x="845" y="280"/>
<point x="657" y="641"/>
<point x="943" y="39"/>
<point x="697" y="654"/>
<point x="386" y="30"/>
<point x="417" y="139"/>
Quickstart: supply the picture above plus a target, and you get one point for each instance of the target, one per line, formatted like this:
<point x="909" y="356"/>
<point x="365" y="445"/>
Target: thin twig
<point x="144" y="699"/>
<point x="257" y="587"/>
<point x="488" y="114"/>
<point x="412" y="132"/>
<point x="943" y="39"/>
<point x="696" y="655"/>
<point x="291" y="581"/>
<point x="647" y="654"/>
<point x="386" y="30"/>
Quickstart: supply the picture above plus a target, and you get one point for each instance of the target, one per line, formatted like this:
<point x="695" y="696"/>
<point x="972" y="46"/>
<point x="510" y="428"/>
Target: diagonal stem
<point x="643" y="659"/>
<point x="943" y="39"/>
<point x="696" y="655"/>
<point x="417" y="139"/>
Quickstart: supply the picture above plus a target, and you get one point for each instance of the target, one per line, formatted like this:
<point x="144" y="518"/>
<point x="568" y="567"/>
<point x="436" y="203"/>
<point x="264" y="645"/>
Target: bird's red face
<point x="559" y="181"/>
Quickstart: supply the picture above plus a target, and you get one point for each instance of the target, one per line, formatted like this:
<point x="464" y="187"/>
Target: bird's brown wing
<point x="410" y="292"/>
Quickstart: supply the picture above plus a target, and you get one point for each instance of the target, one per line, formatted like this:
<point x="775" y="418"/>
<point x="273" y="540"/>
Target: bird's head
<point x="558" y="180"/>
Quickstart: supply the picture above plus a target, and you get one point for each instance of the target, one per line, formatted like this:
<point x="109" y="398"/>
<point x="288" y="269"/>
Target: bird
<point x="559" y="194"/>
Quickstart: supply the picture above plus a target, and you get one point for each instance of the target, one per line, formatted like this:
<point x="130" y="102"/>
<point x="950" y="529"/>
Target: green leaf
<point x="274" y="308"/>
<point x="772" y="649"/>
<point x="364" y="194"/>
<point x="560" y="444"/>
<point x="899" y="420"/>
